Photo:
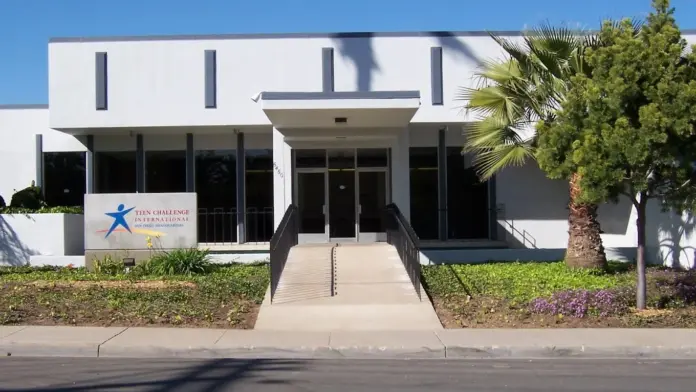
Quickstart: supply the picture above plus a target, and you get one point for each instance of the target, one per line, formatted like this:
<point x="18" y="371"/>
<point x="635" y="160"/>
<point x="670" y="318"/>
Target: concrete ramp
<point x="307" y="275"/>
<point x="371" y="292"/>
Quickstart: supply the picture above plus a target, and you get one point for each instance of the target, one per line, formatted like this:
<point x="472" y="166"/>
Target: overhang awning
<point x="328" y="109"/>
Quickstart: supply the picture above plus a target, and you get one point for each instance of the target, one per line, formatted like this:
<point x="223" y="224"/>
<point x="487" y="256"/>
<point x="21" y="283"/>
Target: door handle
<point x="323" y="209"/>
<point x="359" y="209"/>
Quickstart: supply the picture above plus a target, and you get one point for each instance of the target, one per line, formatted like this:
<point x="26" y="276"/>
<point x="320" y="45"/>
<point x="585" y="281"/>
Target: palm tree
<point x="511" y="97"/>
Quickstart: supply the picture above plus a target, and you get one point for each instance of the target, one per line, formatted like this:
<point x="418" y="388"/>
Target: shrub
<point x="29" y="197"/>
<point x="2" y="202"/>
<point x="109" y="266"/>
<point x="44" y="210"/>
<point x="580" y="303"/>
<point x="189" y="261"/>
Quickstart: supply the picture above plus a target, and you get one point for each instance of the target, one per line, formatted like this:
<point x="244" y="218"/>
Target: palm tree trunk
<point x="585" y="249"/>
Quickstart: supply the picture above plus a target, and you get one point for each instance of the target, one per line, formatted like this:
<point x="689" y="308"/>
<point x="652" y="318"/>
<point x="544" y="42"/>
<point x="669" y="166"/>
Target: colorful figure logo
<point x="119" y="219"/>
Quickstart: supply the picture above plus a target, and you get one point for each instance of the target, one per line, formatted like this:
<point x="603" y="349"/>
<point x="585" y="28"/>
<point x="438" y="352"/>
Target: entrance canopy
<point x="340" y="109"/>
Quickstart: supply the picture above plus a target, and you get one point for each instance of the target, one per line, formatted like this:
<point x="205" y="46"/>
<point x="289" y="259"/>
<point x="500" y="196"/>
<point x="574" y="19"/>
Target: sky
<point x="27" y="25"/>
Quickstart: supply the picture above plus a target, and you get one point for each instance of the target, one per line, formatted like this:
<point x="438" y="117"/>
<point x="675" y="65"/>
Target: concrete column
<point x="400" y="178"/>
<point x="89" y="165"/>
<point x="442" y="183"/>
<point x="139" y="164"/>
<point x="190" y="164"/>
<point x="282" y="176"/>
<point x="241" y="189"/>
<point x="39" y="162"/>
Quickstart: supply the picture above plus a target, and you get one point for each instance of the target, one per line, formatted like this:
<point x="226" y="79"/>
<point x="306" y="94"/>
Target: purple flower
<point x="579" y="303"/>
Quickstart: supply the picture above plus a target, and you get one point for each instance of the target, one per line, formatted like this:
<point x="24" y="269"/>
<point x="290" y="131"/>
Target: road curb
<point x="588" y="352"/>
<point x="90" y="350"/>
<point x="347" y="352"/>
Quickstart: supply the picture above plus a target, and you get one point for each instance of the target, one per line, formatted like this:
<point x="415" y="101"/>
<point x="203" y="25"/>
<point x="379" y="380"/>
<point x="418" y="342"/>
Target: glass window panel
<point x="341" y="158"/>
<point x="216" y="186"/>
<point x="424" y="191"/>
<point x="259" y="195"/>
<point x="310" y="158"/>
<point x="115" y="171"/>
<point x="165" y="171"/>
<point x="372" y="157"/>
<point x="64" y="178"/>
<point x="467" y="199"/>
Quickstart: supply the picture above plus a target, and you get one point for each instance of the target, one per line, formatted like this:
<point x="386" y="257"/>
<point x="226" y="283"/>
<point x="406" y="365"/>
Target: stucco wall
<point x="18" y="130"/>
<point x="26" y="235"/>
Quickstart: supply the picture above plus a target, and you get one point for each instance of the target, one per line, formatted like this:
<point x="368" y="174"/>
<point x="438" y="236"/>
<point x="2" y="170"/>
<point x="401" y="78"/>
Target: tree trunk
<point x="641" y="290"/>
<point x="585" y="249"/>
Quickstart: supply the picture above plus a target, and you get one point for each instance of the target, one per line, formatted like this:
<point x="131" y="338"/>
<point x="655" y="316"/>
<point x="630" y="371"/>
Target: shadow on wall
<point x="359" y="50"/>
<point x="450" y="43"/>
<point x="12" y="251"/>
<point x="674" y="235"/>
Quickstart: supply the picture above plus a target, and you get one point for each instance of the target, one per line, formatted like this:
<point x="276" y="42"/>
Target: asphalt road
<point x="68" y="374"/>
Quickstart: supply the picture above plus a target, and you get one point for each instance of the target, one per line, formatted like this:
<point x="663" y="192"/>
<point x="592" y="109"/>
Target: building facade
<point x="338" y="124"/>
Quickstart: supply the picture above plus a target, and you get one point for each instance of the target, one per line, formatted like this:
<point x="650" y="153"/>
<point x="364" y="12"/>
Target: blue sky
<point x="26" y="25"/>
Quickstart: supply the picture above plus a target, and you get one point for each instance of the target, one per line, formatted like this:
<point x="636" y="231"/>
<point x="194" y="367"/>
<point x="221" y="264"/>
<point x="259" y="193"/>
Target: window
<point x="165" y="171"/>
<point x="115" y="171"/>
<point x="373" y="157"/>
<point x="216" y="186"/>
<point x="64" y="178"/>
<point x="467" y="199"/>
<point x="259" y="195"/>
<point x="424" y="191"/>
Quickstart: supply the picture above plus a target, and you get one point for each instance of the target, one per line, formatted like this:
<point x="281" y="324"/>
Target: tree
<point x="528" y="86"/>
<point x="629" y="127"/>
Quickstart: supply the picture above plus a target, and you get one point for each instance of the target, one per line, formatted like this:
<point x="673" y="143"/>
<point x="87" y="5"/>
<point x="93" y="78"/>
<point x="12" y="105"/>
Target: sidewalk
<point x="465" y="343"/>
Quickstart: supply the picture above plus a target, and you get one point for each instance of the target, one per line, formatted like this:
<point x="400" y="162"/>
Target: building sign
<point x="125" y="221"/>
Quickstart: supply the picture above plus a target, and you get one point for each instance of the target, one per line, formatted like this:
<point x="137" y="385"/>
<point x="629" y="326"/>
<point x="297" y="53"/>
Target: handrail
<point x="284" y="238"/>
<point x="401" y="235"/>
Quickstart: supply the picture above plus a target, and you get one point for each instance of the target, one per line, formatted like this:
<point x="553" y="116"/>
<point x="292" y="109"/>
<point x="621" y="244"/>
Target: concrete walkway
<point x="372" y="292"/>
<point x="464" y="343"/>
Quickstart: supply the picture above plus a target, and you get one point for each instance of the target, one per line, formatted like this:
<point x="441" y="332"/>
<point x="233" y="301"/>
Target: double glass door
<point x="341" y="204"/>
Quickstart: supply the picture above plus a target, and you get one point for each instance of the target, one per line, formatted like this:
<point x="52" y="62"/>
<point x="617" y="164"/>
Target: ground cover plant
<point x="226" y="296"/>
<point x="549" y="294"/>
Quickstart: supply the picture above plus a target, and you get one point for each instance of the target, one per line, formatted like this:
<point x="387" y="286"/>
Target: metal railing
<point x="284" y="238"/>
<point x="219" y="225"/>
<point x="401" y="235"/>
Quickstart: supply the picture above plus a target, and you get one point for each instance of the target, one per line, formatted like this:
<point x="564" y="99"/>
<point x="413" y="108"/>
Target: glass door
<point x="311" y="204"/>
<point x="372" y="200"/>
<point x="342" y="205"/>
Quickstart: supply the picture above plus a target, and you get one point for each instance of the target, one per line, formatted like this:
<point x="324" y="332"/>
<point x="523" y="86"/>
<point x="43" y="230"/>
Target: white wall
<point x="161" y="83"/>
<point x="534" y="215"/>
<point x="18" y="130"/>
<point x="26" y="235"/>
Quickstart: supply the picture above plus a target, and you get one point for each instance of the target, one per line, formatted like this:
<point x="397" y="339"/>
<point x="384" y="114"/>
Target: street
<point x="285" y="375"/>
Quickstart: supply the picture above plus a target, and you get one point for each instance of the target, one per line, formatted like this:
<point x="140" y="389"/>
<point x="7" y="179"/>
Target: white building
<point x="339" y="124"/>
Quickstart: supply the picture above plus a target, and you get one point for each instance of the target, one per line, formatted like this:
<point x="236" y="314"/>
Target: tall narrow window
<point x="424" y="191"/>
<point x="165" y="171"/>
<point x="216" y="187"/>
<point x="467" y="199"/>
<point x="64" y="178"/>
<point x="259" y="195"/>
<point x="115" y="172"/>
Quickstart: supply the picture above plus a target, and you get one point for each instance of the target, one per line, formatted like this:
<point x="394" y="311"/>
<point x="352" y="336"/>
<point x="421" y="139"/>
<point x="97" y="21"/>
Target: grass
<point x="520" y="282"/>
<point x="502" y="295"/>
<point x="227" y="296"/>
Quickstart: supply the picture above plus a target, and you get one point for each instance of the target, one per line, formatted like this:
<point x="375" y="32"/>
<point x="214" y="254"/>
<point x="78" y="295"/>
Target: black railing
<point x="219" y="225"/>
<point x="284" y="238"/>
<point x="401" y="235"/>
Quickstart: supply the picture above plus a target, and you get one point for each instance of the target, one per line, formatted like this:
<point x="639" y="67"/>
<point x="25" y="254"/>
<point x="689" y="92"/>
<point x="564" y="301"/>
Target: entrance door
<point x="342" y="205"/>
<point x="372" y="200"/>
<point x="311" y="204"/>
